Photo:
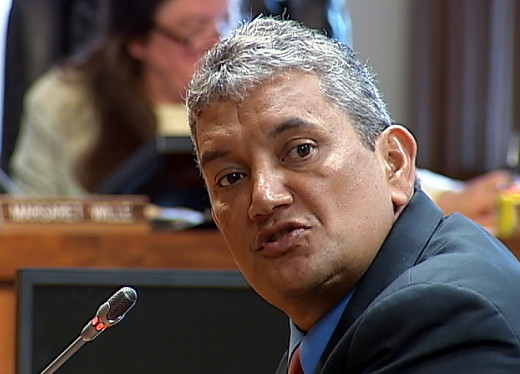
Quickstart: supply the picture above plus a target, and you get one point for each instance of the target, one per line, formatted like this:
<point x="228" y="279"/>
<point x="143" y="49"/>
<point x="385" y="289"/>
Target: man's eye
<point x="301" y="150"/>
<point x="229" y="179"/>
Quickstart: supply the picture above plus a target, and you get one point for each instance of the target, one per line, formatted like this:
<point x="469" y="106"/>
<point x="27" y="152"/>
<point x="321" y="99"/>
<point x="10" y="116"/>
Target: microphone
<point x="108" y="314"/>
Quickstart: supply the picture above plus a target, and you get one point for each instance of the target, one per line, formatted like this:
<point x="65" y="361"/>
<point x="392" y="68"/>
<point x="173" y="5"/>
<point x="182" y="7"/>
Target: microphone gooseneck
<point x="108" y="314"/>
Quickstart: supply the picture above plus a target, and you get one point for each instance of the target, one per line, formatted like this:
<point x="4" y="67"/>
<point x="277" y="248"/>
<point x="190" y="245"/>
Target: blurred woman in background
<point x="83" y="119"/>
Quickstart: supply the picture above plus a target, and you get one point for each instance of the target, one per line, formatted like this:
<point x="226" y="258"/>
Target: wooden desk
<point x="202" y="249"/>
<point x="105" y="249"/>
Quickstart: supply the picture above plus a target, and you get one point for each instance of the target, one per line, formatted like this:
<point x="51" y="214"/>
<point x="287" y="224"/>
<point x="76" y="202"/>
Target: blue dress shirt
<point x="315" y="340"/>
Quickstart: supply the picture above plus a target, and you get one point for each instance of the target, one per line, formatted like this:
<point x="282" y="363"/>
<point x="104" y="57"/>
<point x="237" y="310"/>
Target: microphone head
<point x="121" y="302"/>
<point x="110" y="313"/>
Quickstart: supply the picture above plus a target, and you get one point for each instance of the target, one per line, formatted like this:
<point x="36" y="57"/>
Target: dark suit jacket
<point x="442" y="296"/>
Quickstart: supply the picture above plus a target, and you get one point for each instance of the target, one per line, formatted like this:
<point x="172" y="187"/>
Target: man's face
<point x="302" y="204"/>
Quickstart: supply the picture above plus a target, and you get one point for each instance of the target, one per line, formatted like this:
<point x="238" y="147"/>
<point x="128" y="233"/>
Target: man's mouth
<point x="279" y="235"/>
<point x="280" y="240"/>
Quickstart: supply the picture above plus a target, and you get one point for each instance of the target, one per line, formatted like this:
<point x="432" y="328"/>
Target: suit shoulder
<point x="454" y="325"/>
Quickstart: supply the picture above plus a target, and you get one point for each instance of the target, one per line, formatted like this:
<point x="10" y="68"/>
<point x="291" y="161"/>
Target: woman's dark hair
<point x="112" y="78"/>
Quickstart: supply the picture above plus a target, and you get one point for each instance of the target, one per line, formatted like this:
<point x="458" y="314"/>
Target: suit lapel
<point x="282" y="366"/>
<point x="400" y="251"/>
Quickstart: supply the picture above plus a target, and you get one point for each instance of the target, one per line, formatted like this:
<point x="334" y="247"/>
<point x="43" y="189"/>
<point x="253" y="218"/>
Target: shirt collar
<point x="315" y="340"/>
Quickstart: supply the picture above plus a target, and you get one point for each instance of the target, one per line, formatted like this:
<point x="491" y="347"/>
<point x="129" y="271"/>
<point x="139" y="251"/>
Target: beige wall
<point x="381" y="36"/>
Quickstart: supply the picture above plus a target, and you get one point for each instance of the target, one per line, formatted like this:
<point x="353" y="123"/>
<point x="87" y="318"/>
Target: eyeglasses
<point x="194" y="42"/>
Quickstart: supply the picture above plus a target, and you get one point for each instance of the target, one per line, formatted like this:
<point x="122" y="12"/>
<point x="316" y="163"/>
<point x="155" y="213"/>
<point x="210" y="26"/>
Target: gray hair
<point x="266" y="47"/>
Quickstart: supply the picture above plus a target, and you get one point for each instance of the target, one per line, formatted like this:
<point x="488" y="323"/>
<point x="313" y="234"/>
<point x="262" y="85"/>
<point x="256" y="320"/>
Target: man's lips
<point x="281" y="238"/>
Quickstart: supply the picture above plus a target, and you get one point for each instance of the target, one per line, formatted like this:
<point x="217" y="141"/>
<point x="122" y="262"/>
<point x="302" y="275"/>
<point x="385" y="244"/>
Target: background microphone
<point x="108" y="314"/>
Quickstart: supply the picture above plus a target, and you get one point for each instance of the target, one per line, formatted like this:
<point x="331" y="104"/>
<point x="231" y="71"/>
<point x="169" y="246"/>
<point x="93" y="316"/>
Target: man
<point x="314" y="190"/>
<point x="476" y="198"/>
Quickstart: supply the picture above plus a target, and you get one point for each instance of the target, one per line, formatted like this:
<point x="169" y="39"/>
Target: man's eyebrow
<point x="290" y="124"/>
<point x="211" y="156"/>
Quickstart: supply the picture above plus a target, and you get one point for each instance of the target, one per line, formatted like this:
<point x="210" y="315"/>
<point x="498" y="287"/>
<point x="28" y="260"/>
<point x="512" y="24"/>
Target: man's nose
<point x="268" y="192"/>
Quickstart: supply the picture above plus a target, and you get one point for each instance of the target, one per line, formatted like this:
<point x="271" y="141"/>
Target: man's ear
<point x="399" y="149"/>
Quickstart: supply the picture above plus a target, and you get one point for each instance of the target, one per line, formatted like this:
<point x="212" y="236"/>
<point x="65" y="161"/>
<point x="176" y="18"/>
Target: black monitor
<point x="184" y="321"/>
<point x="163" y="169"/>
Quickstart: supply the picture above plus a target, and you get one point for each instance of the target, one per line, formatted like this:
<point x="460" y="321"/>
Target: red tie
<point x="295" y="366"/>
